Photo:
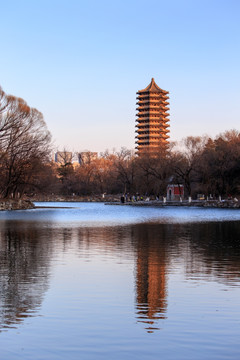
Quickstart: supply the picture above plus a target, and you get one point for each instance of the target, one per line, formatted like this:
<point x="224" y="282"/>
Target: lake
<point x="94" y="281"/>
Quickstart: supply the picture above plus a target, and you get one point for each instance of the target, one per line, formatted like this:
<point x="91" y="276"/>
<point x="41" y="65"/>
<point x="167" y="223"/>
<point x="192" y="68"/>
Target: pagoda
<point x="152" y="119"/>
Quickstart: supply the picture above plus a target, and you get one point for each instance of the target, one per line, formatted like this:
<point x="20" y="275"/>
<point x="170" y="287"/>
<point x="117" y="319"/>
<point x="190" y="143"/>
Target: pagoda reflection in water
<point x="151" y="282"/>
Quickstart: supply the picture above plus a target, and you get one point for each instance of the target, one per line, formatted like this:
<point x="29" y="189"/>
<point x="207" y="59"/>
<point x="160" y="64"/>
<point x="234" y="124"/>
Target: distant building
<point x="152" y="118"/>
<point x="86" y="157"/>
<point x="175" y="192"/>
<point x="63" y="157"/>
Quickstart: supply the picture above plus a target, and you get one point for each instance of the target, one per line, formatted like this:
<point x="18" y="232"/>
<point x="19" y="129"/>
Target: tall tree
<point x="186" y="161"/>
<point x="220" y="164"/>
<point x="24" y="143"/>
<point x="125" y="168"/>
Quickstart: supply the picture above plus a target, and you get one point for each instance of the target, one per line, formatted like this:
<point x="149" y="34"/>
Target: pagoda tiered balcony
<point x="144" y="122"/>
<point x="143" y="101"/>
<point x="163" y="102"/>
<point x="152" y="124"/>
<point x="151" y="118"/>
<point x="164" y="114"/>
<point x="153" y="91"/>
<point x="142" y="142"/>
<point x="142" y="130"/>
<point x="143" y="96"/>
<point x="151" y="113"/>
<point x="165" y="136"/>
<point x="154" y="141"/>
<point x="149" y="99"/>
<point x="164" y="108"/>
<point x="145" y="138"/>
<point x="153" y="108"/>
<point x="148" y="104"/>
<point x="165" y="124"/>
<point x="165" y="121"/>
<point x="142" y="135"/>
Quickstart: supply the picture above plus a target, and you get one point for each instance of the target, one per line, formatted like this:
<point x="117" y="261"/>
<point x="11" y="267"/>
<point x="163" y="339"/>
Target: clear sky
<point x="81" y="63"/>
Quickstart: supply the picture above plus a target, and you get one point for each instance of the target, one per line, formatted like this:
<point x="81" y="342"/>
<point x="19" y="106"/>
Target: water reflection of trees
<point x="24" y="271"/>
<point x="210" y="250"/>
<point x="214" y="251"/>
<point x="146" y="246"/>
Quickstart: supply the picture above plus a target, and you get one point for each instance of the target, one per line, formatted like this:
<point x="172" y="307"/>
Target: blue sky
<point x="81" y="63"/>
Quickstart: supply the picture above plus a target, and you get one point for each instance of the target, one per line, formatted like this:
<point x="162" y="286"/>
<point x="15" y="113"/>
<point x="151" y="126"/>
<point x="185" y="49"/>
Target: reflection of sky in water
<point x="95" y="214"/>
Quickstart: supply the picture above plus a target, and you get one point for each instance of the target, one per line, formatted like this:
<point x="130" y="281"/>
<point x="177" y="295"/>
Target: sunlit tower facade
<point x="152" y="119"/>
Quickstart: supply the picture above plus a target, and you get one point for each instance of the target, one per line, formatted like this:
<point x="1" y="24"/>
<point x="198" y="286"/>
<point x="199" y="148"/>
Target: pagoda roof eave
<point x="153" y="87"/>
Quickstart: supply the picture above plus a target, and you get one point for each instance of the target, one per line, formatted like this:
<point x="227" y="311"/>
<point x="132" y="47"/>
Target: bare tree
<point x="125" y="168"/>
<point x="24" y="143"/>
<point x="220" y="164"/>
<point x="185" y="162"/>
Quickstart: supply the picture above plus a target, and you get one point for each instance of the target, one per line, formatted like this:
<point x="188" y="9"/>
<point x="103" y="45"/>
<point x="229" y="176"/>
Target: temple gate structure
<point x="175" y="192"/>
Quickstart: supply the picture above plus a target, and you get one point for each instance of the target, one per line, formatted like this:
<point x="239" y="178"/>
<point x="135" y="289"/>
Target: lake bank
<point x="231" y="204"/>
<point x="116" y="200"/>
<point x="10" y="204"/>
<point x="23" y="204"/>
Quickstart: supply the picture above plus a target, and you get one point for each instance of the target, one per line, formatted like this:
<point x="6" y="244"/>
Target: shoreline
<point x="225" y="204"/>
<point x="12" y="204"/>
<point x="24" y="204"/>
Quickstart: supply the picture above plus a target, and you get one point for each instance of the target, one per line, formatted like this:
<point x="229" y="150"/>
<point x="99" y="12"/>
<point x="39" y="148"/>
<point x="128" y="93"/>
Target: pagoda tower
<point x="152" y="119"/>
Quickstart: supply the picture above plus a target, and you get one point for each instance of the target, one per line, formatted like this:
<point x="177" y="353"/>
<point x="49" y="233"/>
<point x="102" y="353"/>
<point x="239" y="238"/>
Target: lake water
<point x="92" y="281"/>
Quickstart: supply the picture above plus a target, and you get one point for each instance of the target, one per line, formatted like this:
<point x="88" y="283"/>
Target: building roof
<point x="153" y="87"/>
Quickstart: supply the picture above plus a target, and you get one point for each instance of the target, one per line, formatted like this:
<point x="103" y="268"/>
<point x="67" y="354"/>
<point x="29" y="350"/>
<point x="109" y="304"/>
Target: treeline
<point x="202" y="164"/>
